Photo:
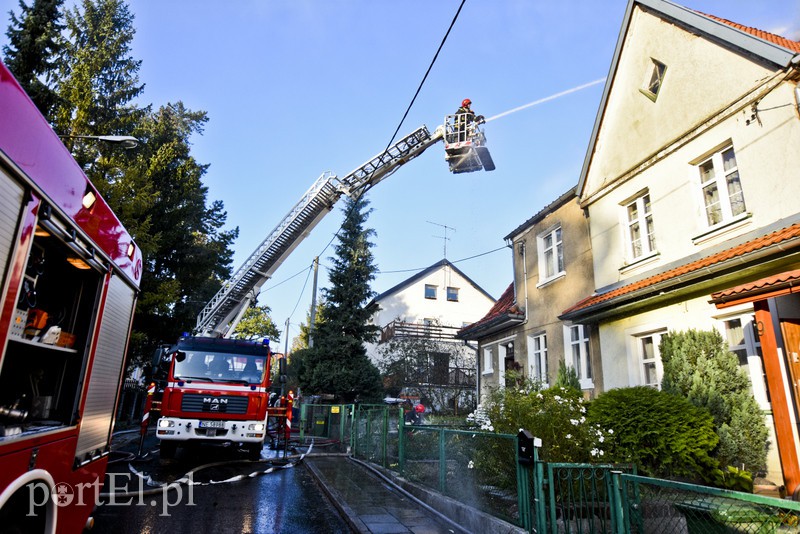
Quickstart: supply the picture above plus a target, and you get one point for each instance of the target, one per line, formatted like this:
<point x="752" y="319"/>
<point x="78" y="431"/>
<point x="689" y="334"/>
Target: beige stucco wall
<point x="701" y="78"/>
<point x="544" y="301"/>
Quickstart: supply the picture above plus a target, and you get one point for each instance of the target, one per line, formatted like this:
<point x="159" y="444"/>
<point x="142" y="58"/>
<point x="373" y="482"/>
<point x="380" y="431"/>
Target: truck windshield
<point x="221" y="367"/>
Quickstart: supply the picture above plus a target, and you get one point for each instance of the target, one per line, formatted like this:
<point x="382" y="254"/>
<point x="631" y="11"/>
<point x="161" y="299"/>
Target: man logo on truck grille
<point x="214" y="404"/>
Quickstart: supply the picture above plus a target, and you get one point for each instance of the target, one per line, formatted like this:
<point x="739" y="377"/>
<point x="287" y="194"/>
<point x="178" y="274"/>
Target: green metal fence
<point x="661" y="506"/>
<point x="476" y="468"/>
<point x="375" y="433"/>
<point x="602" y="499"/>
<point x="330" y="425"/>
<point x="483" y="470"/>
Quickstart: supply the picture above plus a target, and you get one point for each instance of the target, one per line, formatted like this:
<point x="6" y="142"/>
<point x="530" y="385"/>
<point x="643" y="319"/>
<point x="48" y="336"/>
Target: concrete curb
<point x="349" y="515"/>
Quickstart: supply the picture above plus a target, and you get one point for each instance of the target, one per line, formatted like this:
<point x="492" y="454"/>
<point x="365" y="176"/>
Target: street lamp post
<point x="124" y="141"/>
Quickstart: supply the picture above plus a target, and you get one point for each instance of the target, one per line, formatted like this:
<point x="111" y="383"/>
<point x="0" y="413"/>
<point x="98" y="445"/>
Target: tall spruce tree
<point x="338" y="362"/>
<point x="34" y="48"/>
<point x="98" y="83"/>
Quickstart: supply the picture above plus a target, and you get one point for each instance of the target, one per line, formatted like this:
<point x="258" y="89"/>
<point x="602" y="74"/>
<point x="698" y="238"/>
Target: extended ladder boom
<point x="221" y="315"/>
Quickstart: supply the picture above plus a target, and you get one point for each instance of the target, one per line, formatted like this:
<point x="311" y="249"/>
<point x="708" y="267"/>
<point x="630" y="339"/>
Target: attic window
<point x="430" y="291"/>
<point x="654" y="81"/>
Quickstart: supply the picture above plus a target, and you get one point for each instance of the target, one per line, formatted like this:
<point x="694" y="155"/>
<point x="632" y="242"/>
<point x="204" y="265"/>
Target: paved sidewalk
<point x="371" y="504"/>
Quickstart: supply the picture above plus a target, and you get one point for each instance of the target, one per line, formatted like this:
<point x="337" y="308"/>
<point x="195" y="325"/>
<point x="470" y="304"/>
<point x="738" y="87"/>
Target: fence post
<point x="539" y="495"/>
<point x="303" y="421"/>
<point x="401" y="442"/>
<point x="442" y="464"/>
<point x="617" y="510"/>
<point x="385" y="451"/>
<point x="523" y="496"/>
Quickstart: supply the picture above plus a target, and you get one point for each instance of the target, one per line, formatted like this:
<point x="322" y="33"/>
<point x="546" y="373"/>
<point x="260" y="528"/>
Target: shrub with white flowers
<point x="556" y="415"/>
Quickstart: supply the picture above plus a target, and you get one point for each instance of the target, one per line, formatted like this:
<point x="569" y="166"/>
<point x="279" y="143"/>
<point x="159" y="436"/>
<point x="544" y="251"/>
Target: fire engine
<point x="69" y="278"/>
<point x="219" y="400"/>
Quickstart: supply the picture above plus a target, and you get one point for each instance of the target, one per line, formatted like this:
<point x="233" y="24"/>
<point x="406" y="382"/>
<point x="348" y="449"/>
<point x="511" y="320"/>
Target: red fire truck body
<point x="217" y="391"/>
<point x="69" y="276"/>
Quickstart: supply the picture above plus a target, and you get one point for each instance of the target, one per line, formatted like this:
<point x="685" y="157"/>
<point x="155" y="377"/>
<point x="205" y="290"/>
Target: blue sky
<point x="296" y="88"/>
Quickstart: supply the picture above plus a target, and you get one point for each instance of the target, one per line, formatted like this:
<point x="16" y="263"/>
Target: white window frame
<point x="537" y="357"/>
<point x="644" y="221"/>
<point x="487" y="367"/>
<point x="434" y="288"/>
<point x="577" y="350"/>
<point x="454" y="290"/>
<point x="752" y="347"/>
<point x="643" y="362"/>
<point x="557" y="259"/>
<point x="718" y="181"/>
<point x="654" y="77"/>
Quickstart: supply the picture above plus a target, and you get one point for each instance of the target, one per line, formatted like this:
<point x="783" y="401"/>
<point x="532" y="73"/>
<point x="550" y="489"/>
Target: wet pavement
<point x="371" y="504"/>
<point x="322" y="493"/>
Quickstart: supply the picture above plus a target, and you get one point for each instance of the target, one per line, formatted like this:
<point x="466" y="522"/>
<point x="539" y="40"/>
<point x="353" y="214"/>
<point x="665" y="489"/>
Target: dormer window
<point x="654" y="80"/>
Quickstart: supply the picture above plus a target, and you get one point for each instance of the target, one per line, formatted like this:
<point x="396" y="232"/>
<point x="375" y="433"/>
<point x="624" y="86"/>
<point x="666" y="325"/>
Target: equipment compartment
<point x="48" y="344"/>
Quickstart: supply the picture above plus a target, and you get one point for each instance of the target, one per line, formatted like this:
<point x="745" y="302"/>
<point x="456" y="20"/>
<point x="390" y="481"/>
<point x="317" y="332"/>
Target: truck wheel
<point x="167" y="449"/>
<point x="254" y="451"/>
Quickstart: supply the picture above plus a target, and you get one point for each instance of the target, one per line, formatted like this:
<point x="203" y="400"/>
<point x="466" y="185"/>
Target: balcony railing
<point x="400" y="329"/>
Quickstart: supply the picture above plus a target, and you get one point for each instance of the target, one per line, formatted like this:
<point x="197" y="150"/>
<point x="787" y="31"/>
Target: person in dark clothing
<point x="464" y="118"/>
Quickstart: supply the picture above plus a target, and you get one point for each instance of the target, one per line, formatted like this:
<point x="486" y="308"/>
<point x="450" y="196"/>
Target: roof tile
<point x="505" y="305"/>
<point x="779" y="236"/>
<point x="761" y="34"/>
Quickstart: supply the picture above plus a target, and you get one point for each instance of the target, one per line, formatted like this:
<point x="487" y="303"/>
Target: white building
<point x="430" y="307"/>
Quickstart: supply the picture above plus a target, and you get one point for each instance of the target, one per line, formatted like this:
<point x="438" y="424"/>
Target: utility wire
<point x="441" y="45"/>
<point x="453" y="262"/>
<point x="435" y="56"/>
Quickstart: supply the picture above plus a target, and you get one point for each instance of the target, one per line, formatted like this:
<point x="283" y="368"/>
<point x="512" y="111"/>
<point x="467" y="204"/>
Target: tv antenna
<point x="444" y="237"/>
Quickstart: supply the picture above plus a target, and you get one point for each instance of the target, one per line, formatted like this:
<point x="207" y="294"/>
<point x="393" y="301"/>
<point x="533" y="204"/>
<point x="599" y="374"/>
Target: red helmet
<point x="466" y="102"/>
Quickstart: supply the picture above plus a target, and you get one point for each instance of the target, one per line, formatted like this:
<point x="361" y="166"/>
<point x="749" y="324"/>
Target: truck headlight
<point x="165" y="423"/>
<point x="258" y="427"/>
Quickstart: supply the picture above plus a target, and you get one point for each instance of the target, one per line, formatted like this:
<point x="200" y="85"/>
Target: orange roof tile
<point x="504" y="307"/>
<point x="764" y="284"/>
<point x="761" y="34"/>
<point x="779" y="236"/>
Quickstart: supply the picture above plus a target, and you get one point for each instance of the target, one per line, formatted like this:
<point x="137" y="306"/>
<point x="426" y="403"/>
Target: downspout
<point x="523" y="251"/>
<point x="796" y="65"/>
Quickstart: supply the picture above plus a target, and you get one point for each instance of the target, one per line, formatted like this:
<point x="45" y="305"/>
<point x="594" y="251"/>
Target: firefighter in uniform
<point x="464" y="118"/>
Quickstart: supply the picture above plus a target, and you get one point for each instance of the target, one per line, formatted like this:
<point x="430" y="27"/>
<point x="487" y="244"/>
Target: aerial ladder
<point x="199" y="400"/>
<point x="465" y="151"/>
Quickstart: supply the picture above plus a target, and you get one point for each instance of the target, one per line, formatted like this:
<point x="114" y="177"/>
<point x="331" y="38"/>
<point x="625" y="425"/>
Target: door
<point x="790" y="328"/>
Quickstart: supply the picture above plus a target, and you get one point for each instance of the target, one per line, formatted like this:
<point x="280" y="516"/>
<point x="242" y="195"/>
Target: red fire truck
<point x="69" y="277"/>
<point x="217" y="390"/>
<point x="205" y="403"/>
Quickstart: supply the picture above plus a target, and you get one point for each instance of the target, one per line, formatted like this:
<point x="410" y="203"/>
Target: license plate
<point x="212" y="424"/>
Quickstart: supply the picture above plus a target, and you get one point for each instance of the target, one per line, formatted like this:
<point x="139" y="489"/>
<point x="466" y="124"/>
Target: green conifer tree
<point x="338" y="362"/>
<point x="33" y="50"/>
<point x="699" y="366"/>
<point x="98" y="82"/>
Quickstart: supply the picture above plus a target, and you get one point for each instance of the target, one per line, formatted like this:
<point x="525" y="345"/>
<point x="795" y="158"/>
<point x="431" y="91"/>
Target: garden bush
<point x="663" y="434"/>
<point x="556" y="415"/>
<point x="699" y="367"/>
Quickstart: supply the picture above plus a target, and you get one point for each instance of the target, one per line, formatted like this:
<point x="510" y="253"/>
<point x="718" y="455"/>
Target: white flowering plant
<point x="556" y="415"/>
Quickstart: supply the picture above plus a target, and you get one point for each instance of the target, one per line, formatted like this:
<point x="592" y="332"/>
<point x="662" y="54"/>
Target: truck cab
<point x="216" y="391"/>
